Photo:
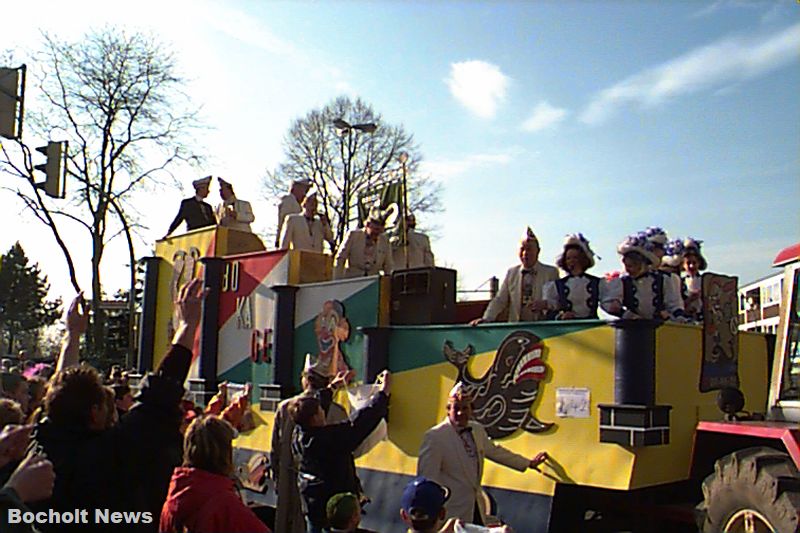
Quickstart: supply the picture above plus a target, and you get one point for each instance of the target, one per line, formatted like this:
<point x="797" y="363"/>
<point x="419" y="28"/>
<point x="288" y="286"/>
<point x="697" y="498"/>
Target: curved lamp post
<point x="346" y="130"/>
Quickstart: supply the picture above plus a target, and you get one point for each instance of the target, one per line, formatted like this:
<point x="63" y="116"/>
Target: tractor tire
<point x="751" y="491"/>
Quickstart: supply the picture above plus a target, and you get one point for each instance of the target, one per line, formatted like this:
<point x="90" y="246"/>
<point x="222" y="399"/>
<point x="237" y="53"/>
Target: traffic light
<point x="56" y="153"/>
<point x="12" y="99"/>
<point x="138" y="287"/>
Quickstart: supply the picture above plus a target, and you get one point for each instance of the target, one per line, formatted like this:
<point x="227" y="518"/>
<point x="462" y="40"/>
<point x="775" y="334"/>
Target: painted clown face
<point x="331" y="328"/>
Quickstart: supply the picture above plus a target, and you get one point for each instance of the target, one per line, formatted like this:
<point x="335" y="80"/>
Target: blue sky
<point x="599" y="117"/>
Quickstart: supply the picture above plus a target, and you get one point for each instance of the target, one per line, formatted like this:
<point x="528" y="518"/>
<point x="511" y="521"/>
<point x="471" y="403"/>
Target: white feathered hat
<point x="692" y="246"/>
<point x="576" y="239"/>
<point x="638" y="243"/>
<point x="674" y="253"/>
<point x="657" y="236"/>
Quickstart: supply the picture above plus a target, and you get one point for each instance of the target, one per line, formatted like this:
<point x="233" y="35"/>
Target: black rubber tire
<point x="761" y="479"/>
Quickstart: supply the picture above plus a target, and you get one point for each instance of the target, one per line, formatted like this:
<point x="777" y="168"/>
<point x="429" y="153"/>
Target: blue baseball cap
<point x="423" y="499"/>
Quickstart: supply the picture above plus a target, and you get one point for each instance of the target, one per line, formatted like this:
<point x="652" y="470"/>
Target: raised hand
<point x="384" y="382"/>
<point x="76" y="319"/>
<point x="33" y="479"/>
<point x="540" y="458"/>
<point x="189" y="302"/>
<point x="188" y="312"/>
<point x="14" y="441"/>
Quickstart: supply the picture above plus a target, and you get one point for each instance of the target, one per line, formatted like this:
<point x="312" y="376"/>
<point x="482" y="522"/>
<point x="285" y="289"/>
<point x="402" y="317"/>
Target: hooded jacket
<point x="203" y="502"/>
<point x="324" y="456"/>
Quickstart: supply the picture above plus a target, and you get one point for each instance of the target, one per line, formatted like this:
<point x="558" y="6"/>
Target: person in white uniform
<point x="232" y="212"/>
<point x="365" y="251"/>
<point x="577" y="294"/>
<point x="659" y="241"/>
<point x="306" y="230"/>
<point x="452" y="455"/>
<point x="290" y="204"/>
<point x="692" y="280"/>
<point x="640" y="291"/>
<point x="417" y="251"/>
<point x="520" y="294"/>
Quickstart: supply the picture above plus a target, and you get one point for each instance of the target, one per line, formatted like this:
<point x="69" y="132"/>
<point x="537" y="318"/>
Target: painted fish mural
<point x="503" y="396"/>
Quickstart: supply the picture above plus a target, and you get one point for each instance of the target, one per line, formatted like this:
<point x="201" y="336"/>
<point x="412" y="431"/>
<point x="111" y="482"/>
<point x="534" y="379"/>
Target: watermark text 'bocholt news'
<point x="79" y="516"/>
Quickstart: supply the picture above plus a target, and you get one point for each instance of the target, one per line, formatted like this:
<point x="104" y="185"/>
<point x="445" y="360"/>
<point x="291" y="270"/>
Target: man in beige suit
<point x="306" y="230"/>
<point x="232" y="212"/>
<point x="452" y="455"/>
<point x="364" y="252"/>
<point x="417" y="250"/>
<point x="521" y="294"/>
<point x="290" y="204"/>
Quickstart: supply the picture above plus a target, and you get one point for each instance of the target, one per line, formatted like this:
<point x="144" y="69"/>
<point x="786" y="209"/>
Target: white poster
<point x="572" y="402"/>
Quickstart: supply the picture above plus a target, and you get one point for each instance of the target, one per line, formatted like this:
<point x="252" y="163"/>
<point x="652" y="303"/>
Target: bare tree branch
<point x="313" y="150"/>
<point x="119" y="101"/>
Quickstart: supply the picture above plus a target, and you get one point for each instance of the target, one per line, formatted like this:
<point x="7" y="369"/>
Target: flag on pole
<point x="388" y="197"/>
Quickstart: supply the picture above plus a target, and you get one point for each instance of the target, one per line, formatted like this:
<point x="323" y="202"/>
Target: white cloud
<point x="544" y="116"/>
<point x="723" y="62"/>
<point x="447" y="169"/>
<point x="708" y="9"/>
<point x="712" y="8"/>
<point x="478" y="85"/>
<point x="242" y="26"/>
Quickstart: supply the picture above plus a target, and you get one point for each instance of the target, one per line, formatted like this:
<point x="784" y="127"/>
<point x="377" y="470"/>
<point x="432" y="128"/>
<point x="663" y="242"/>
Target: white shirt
<point x="419" y="251"/>
<point x="301" y="234"/>
<point x="510" y="297"/>
<point x="644" y="296"/>
<point x="358" y="256"/>
<point x="243" y="211"/>
<point x="694" y="285"/>
<point x="287" y="206"/>
<point x="578" y="295"/>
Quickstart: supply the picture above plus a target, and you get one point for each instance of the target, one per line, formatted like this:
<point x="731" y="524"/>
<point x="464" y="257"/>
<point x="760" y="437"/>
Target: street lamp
<point x="403" y="158"/>
<point x="345" y="129"/>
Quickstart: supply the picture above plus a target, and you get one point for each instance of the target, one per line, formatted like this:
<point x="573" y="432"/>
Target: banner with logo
<point x="720" y="333"/>
<point x="388" y="197"/>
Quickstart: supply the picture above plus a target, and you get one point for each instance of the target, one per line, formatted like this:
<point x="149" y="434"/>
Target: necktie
<point x="468" y="441"/>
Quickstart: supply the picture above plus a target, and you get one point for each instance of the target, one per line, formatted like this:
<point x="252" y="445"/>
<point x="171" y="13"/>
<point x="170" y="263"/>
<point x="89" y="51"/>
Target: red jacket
<point x="203" y="502"/>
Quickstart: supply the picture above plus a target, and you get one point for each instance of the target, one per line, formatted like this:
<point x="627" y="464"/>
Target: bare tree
<point x="343" y="162"/>
<point x="119" y="102"/>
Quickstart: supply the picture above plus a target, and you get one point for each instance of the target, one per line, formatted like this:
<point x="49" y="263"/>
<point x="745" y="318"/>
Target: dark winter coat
<point x="127" y="467"/>
<point x="325" y="457"/>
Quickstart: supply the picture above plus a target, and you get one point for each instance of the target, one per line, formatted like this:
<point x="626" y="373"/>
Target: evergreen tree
<point x="23" y="292"/>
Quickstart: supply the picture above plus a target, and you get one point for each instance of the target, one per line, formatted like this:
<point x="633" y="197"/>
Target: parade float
<point x="629" y="411"/>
